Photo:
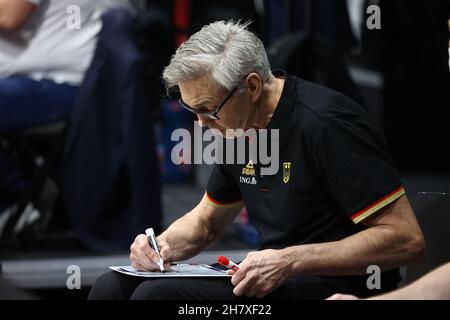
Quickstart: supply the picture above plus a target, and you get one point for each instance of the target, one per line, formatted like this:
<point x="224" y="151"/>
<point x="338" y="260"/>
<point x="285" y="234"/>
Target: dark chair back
<point x="433" y="214"/>
<point x="111" y="184"/>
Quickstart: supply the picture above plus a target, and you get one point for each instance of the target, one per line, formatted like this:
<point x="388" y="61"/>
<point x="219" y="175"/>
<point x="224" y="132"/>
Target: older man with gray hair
<point x="334" y="208"/>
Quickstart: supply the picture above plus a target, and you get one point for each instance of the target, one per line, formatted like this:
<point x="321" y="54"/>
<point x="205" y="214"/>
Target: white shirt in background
<point x="45" y="48"/>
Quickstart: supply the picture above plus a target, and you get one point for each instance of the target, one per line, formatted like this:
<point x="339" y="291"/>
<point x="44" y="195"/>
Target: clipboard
<point x="182" y="270"/>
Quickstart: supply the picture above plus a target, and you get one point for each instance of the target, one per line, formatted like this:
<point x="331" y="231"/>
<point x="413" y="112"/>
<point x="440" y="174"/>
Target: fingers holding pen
<point x="142" y="255"/>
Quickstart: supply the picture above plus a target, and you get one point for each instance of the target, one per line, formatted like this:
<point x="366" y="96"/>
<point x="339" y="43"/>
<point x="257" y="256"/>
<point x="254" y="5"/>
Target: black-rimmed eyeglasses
<point x="210" y="114"/>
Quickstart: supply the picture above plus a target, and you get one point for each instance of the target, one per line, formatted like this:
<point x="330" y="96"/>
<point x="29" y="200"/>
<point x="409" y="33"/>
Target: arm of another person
<point x="187" y="236"/>
<point x="14" y="13"/>
<point x="432" y="286"/>
<point x="435" y="285"/>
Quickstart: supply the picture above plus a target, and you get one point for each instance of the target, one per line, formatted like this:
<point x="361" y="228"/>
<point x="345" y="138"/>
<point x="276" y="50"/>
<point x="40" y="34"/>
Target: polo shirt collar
<point x="282" y="114"/>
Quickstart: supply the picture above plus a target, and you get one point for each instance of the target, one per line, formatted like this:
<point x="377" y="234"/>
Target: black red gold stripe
<point x="391" y="197"/>
<point x="216" y="204"/>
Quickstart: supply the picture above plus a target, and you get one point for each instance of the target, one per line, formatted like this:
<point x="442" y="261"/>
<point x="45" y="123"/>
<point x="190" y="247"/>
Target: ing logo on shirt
<point x="286" y="171"/>
<point x="248" y="174"/>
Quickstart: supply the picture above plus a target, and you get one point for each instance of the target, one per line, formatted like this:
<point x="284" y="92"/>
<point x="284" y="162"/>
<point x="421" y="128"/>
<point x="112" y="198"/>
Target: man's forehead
<point x="198" y="89"/>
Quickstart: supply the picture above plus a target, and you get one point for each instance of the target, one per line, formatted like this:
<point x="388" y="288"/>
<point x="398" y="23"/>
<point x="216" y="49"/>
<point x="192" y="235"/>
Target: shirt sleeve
<point x="222" y="190"/>
<point x="356" y="168"/>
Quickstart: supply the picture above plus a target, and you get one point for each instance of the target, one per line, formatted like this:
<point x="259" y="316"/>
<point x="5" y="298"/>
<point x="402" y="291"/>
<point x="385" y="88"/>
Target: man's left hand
<point x="260" y="273"/>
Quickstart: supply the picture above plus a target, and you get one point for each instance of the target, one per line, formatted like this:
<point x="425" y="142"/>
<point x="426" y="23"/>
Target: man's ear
<point x="254" y="86"/>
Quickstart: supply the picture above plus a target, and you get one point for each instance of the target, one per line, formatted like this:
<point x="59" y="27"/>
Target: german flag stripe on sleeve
<point x="374" y="207"/>
<point x="218" y="204"/>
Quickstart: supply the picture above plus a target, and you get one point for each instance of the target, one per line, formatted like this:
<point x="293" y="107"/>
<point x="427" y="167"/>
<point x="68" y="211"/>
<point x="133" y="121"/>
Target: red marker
<point x="227" y="263"/>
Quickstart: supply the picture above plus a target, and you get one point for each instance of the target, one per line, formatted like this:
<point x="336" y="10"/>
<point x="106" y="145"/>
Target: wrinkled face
<point x="201" y="95"/>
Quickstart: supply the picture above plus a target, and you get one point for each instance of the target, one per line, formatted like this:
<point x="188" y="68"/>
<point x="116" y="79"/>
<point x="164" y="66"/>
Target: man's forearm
<point x="187" y="236"/>
<point x="351" y="256"/>
<point x="199" y="228"/>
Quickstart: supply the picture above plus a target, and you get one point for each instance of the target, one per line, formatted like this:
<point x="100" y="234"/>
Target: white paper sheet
<point x="177" y="270"/>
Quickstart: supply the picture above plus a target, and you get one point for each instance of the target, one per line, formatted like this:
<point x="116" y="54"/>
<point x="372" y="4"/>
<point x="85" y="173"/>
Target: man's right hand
<point x="144" y="258"/>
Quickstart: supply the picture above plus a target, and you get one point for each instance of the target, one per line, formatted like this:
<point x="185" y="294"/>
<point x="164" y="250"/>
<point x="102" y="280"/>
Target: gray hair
<point x="225" y="51"/>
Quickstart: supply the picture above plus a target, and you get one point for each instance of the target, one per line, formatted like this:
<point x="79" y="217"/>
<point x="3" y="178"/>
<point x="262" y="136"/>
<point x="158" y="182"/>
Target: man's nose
<point x="203" y="121"/>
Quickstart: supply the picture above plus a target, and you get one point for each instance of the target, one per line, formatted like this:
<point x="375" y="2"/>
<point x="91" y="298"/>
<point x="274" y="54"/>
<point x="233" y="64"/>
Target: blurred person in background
<point x="46" y="46"/>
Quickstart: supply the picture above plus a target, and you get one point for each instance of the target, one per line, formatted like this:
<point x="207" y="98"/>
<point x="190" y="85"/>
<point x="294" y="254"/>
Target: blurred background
<point x="85" y="122"/>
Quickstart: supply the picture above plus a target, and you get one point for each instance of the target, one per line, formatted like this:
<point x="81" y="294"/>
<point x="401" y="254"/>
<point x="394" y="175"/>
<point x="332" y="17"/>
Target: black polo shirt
<point x="334" y="171"/>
